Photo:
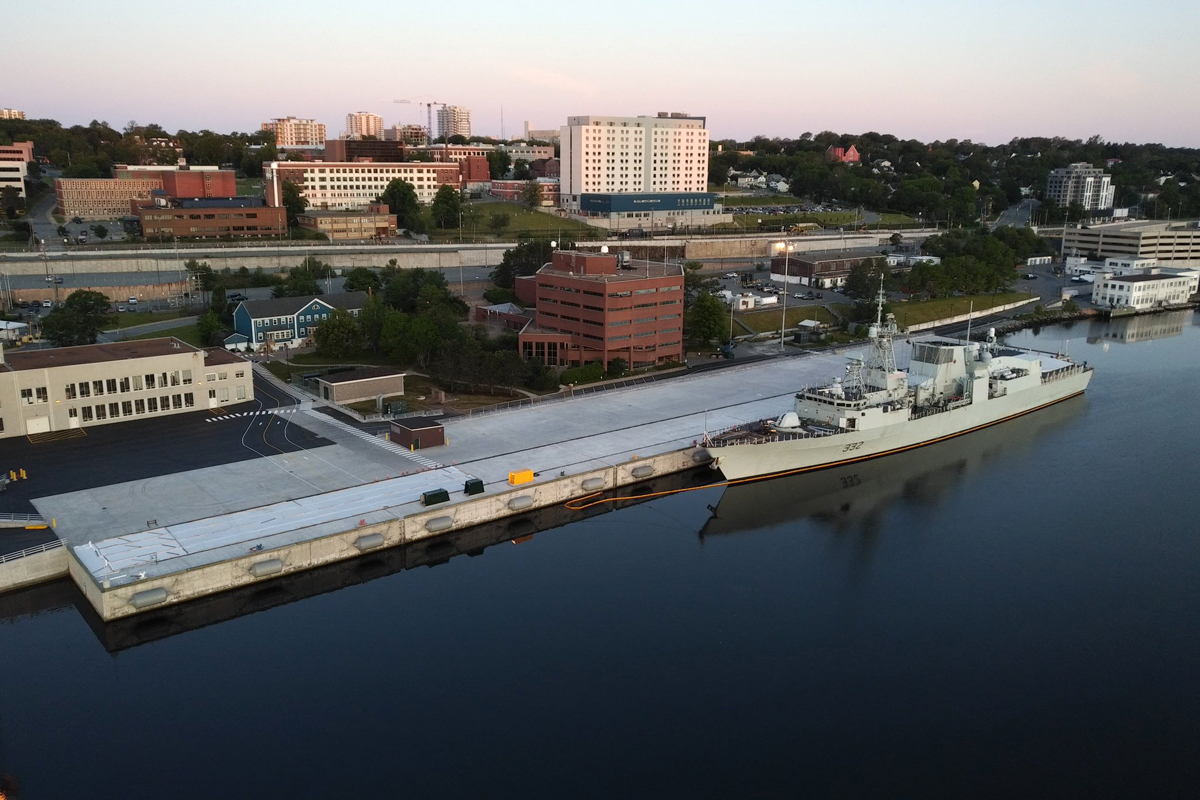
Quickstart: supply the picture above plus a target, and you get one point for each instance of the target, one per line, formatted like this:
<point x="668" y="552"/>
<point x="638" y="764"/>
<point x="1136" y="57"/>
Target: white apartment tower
<point x="667" y="153"/>
<point x="1080" y="183"/>
<point x="454" y="121"/>
<point x="360" y="124"/>
<point x="11" y="113"/>
<point x="293" y="132"/>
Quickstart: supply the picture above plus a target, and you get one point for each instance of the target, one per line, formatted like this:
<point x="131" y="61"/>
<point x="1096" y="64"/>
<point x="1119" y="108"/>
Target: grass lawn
<point x="417" y="387"/>
<point x="763" y="321"/>
<point x="316" y="360"/>
<point x="929" y="310"/>
<point x="184" y="333"/>
<point x="278" y="370"/>
<point x="522" y="219"/>
<point x="895" y="219"/>
<point x="250" y="186"/>
<point x="131" y="318"/>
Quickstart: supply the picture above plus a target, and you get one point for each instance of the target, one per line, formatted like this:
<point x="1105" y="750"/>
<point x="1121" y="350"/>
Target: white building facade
<point x="353" y="185"/>
<point x="294" y="132"/>
<point x="527" y="152"/>
<point x="360" y="124"/>
<point x="11" y="113"/>
<point x="667" y="153"/>
<point x="1145" y="290"/>
<point x="1080" y="183"/>
<point x="454" y="121"/>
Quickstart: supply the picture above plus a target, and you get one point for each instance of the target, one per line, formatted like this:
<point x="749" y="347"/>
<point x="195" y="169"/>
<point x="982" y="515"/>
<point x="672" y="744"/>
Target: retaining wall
<point x="987" y="312"/>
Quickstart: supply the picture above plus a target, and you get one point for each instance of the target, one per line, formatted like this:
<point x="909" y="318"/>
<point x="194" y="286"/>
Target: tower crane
<point x="429" y="104"/>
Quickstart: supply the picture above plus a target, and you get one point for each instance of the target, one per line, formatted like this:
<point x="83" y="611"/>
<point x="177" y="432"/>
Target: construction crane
<point x="429" y="104"/>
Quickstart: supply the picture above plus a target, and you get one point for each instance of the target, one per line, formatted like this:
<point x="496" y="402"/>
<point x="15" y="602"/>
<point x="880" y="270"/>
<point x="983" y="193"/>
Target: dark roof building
<point x="290" y="320"/>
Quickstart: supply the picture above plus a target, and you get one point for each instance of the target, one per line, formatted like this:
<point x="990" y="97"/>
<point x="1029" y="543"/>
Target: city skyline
<point x="936" y="71"/>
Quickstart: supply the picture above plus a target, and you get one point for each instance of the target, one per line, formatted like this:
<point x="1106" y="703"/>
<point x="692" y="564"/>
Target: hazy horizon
<point x="935" y="71"/>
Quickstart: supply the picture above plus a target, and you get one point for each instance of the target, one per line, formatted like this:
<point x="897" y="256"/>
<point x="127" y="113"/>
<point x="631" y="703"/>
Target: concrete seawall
<point x="987" y="312"/>
<point x="33" y="568"/>
<point x="361" y="537"/>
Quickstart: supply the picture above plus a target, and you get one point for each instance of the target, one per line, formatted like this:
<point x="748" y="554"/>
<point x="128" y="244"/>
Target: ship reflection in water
<point x="853" y="498"/>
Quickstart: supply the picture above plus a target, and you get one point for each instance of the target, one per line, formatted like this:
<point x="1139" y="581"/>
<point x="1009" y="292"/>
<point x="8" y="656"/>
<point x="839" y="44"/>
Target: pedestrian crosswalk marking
<point x="263" y="412"/>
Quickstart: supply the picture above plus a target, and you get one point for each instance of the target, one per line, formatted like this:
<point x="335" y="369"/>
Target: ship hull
<point x="794" y="456"/>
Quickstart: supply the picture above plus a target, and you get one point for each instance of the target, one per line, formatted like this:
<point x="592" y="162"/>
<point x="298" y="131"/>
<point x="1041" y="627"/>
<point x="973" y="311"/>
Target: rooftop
<point x="605" y="268"/>
<point x="94" y="353"/>
<point x="837" y="255"/>
<point x="1143" y="277"/>
<point x="363" y="374"/>
<point x="218" y="355"/>
<point x="1144" y="226"/>
<point x="283" y="306"/>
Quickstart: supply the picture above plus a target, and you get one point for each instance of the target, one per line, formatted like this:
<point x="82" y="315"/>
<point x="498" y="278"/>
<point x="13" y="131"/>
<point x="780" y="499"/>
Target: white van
<point x="133" y="301"/>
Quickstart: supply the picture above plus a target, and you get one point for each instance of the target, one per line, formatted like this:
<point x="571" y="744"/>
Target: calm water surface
<point x="1012" y="613"/>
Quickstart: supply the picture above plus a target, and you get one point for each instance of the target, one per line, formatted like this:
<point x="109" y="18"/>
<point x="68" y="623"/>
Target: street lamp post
<point x="787" y="249"/>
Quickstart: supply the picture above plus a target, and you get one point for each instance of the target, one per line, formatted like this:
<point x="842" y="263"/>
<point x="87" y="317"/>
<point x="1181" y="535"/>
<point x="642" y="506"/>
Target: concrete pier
<point x="343" y="493"/>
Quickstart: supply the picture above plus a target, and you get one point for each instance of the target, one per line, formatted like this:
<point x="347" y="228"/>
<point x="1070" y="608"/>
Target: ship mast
<point x="882" y="334"/>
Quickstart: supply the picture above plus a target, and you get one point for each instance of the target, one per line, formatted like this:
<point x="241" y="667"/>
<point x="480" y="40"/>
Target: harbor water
<point x="1011" y="613"/>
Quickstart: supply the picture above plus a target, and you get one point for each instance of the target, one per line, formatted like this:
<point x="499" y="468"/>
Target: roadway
<point x="1018" y="216"/>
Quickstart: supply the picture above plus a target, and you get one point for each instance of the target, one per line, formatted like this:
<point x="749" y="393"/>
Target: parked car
<point x="236" y="297"/>
<point x="730" y="274"/>
<point x="120" y="309"/>
<point x="133" y="301"/>
<point x="1029" y="276"/>
<point x="47" y="304"/>
<point x="58" y="279"/>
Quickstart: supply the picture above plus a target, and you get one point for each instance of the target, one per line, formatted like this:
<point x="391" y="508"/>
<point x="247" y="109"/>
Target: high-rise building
<point x="409" y="134"/>
<point x="1080" y="183"/>
<point x="454" y="121"/>
<point x="293" y="132"/>
<point x="11" y="113"/>
<point x="360" y="124"/>
<point x="609" y="155"/>
<point x="541" y="134"/>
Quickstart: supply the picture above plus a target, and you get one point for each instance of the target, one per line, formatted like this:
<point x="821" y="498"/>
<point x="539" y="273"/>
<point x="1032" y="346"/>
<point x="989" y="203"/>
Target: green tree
<point x="362" y="279"/>
<point x="78" y="320"/>
<point x="447" y="204"/>
<point x="100" y="231"/>
<point x="303" y="280"/>
<point x="858" y="282"/>
<point x="498" y="221"/>
<point x="337" y="336"/>
<point x="531" y="194"/>
<point x="401" y="199"/>
<point x="371" y="319"/>
<point x="521" y="170"/>
<point x="705" y="321"/>
<point x="293" y="202"/>
<point x="695" y="284"/>
<point x="524" y="259"/>
<point x="498" y="164"/>
<point x="209" y="327"/>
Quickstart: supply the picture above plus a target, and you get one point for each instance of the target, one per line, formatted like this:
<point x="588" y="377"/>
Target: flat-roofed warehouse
<point x="76" y="387"/>
<point x="356" y="385"/>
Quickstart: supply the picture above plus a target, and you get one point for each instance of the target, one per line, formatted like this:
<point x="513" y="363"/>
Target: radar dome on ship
<point x="788" y="420"/>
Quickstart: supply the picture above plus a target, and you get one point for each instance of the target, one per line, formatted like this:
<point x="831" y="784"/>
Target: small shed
<point x="356" y="385"/>
<point x="417" y="433"/>
<point x="12" y="331"/>
<point x="809" y="330"/>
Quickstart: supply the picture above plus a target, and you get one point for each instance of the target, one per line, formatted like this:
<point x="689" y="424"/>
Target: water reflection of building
<point x="1140" y="328"/>
<point x="212" y="609"/>
<point x="853" y="498"/>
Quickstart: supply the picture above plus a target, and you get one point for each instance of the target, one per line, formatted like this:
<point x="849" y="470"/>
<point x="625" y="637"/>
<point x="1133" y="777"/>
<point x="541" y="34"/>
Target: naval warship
<point x="949" y="389"/>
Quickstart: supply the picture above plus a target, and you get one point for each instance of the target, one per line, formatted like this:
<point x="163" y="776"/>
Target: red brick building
<point x="548" y="189"/>
<point x="842" y="155"/>
<point x="185" y="182"/>
<point x="545" y="167"/>
<point x="592" y="308"/>
<point x="209" y="218"/>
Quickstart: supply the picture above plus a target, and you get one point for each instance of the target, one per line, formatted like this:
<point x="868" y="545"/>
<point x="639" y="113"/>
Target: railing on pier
<point x="31" y="551"/>
<point x="21" y="518"/>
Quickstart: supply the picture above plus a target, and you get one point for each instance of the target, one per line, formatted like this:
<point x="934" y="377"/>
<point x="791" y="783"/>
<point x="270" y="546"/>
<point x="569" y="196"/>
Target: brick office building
<point x="592" y="308"/>
<point x="374" y="223"/>
<point x="187" y="182"/>
<point x="209" y="218"/>
<point x="823" y="271"/>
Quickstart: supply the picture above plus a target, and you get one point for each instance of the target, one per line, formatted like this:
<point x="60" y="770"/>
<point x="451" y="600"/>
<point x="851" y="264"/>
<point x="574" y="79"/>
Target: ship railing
<point x="772" y="437"/>
<point x="1063" y="372"/>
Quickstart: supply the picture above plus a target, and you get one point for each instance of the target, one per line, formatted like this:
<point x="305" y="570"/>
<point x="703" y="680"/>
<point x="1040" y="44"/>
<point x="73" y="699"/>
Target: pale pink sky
<point x="922" y="69"/>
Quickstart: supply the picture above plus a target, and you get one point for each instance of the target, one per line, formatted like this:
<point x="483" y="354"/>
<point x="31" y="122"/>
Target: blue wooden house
<point x="287" y="320"/>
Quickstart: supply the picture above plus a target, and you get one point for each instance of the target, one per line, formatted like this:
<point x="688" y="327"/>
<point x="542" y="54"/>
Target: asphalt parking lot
<point x="131" y="451"/>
